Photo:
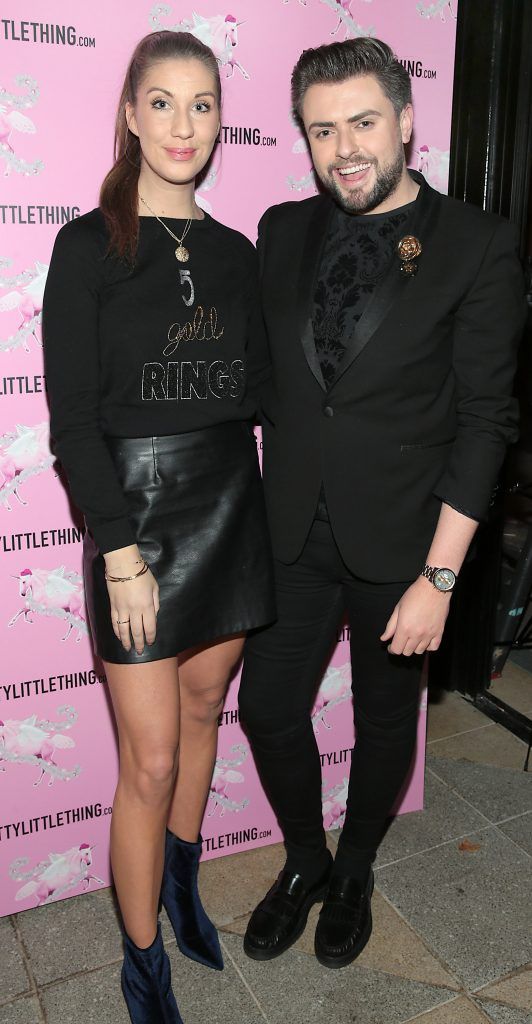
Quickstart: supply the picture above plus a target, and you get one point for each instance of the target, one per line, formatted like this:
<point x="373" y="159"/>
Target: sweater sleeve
<point x="257" y="350"/>
<point x="71" y="349"/>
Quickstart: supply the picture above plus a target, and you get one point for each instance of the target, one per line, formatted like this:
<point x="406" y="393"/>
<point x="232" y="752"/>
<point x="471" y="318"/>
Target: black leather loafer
<point x="344" y="925"/>
<point x="280" y="918"/>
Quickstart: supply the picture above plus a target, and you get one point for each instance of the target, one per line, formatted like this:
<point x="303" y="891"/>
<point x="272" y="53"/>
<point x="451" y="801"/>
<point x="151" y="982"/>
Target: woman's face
<point x="176" y="118"/>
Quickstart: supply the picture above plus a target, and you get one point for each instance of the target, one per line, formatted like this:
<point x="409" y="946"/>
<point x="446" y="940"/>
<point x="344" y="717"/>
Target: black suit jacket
<point x="421" y="409"/>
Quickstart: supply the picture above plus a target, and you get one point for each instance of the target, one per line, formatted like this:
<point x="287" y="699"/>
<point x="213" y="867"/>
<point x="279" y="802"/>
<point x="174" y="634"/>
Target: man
<point x="393" y="316"/>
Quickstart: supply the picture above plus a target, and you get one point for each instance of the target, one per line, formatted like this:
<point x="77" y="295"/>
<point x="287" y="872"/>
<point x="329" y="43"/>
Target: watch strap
<point x="430" y="571"/>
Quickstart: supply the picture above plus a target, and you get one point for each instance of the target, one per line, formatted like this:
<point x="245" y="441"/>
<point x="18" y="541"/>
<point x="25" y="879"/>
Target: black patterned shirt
<point x="355" y="258"/>
<point x="356" y="255"/>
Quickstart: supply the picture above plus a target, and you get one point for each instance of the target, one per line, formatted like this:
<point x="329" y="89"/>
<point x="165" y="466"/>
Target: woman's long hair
<point x="119" y="191"/>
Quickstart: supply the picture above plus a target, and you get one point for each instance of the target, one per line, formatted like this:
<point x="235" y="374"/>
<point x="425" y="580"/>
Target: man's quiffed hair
<point x="335" y="62"/>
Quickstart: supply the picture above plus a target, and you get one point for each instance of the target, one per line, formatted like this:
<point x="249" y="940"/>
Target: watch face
<point x="444" y="579"/>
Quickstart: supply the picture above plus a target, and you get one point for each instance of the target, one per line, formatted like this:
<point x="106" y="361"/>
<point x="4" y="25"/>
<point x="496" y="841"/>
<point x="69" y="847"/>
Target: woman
<point x="154" y="344"/>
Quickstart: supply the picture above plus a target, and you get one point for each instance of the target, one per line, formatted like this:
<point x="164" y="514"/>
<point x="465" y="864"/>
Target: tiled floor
<point x="452" y="923"/>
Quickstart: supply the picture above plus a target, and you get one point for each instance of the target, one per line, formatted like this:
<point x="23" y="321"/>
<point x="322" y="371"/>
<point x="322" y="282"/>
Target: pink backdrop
<point x="59" y="83"/>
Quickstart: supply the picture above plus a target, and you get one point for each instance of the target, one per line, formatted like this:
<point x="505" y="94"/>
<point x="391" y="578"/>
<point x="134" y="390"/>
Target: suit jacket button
<point x="328" y="410"/>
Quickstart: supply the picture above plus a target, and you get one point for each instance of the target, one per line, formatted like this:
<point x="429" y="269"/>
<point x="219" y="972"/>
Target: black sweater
<point x="159" y="349"/>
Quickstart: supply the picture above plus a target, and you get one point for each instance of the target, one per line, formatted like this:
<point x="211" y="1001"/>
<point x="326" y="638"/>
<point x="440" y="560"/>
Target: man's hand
<point x="417" y="622"/>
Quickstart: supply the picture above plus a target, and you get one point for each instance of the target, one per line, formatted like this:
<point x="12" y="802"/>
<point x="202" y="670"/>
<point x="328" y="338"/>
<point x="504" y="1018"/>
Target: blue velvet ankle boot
<point x="147" y="985"/>
<point x="196" y="935"/>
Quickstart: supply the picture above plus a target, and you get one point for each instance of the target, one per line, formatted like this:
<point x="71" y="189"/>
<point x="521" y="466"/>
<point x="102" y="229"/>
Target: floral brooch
<point x="408" y="249"/>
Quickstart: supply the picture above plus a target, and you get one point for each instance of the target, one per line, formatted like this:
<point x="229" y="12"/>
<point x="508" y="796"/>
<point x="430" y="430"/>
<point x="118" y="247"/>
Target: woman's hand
<point x="135" y="603"/>
<point x="417" y="622"/>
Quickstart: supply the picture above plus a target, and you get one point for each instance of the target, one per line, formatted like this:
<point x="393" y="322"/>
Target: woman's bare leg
<point x="203" y="677"/>
<point x="146" y="705"/>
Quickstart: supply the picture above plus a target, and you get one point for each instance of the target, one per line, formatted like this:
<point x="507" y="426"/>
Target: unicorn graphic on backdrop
<point x="53" y="592"/>
<point x="335" y="689"/>
<point x="27" y="299"/>
<point x="13" y="120"/>
<point x="220" y="32"/>
<point x="430" y="10"/>
<point x="208" y="182"/>
<point x="342" y="8"/>
<point x="55" y="876"/>
<point x="23" y="453"/>
<point x="434" y="165"/>
<point x="301" y="184"/>
<point x="36" y="741"/>
<point x="346" y="4"/>
<point x="225" y="774"/>
<point x="300" y="147"/>
<point x="334" y="803"/>
<point x="345" y="17"/>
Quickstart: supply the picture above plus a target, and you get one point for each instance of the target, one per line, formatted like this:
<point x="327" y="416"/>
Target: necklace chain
<point x="181" y="253"/>
<point x="187" y="225"/>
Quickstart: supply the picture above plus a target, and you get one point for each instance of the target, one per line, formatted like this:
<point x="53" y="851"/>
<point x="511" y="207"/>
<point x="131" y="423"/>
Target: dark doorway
<point x="491" y="148"/>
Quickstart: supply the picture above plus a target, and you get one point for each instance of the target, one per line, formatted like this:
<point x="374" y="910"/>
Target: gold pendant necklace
<point x="181" y="253"/>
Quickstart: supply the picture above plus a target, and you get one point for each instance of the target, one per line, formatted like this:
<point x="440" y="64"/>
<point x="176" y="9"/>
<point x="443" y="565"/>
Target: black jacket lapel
<point x="420" y="223"/>
<point x="310" y="262"/>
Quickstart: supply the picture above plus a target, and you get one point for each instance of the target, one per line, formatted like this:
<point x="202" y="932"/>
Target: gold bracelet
<point x="125" y="579"/>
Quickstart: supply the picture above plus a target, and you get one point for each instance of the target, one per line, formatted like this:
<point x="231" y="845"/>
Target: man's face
<point x="356" y="140"/>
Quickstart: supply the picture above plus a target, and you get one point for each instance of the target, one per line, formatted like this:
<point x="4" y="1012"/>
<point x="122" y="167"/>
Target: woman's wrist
<point x="126" y="579"/>
<point x="123" y="561"/>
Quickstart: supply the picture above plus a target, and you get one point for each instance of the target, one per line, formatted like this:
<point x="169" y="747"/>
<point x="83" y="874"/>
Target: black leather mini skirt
<point x="196" y="503"/>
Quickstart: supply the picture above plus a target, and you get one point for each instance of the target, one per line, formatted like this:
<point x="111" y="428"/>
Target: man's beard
<point x="387" y="179"/>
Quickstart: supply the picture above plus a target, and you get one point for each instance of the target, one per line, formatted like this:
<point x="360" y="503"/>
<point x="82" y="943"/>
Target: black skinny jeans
<point x="282" y="668"/>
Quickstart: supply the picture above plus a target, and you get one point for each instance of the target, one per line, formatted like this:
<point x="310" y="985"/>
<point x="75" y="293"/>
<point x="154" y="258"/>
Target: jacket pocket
<point x="423" y="446"/>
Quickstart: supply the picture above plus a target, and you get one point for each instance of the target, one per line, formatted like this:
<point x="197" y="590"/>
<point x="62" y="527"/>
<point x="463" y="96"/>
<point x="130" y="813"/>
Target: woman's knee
<point x="203" y="704"/>
<point x="150" y="772"/>
<point x="203" y="681"/>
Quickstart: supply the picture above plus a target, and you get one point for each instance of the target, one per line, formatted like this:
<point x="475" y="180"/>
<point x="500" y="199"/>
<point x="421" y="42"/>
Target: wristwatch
<point x="442" y="579"/>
